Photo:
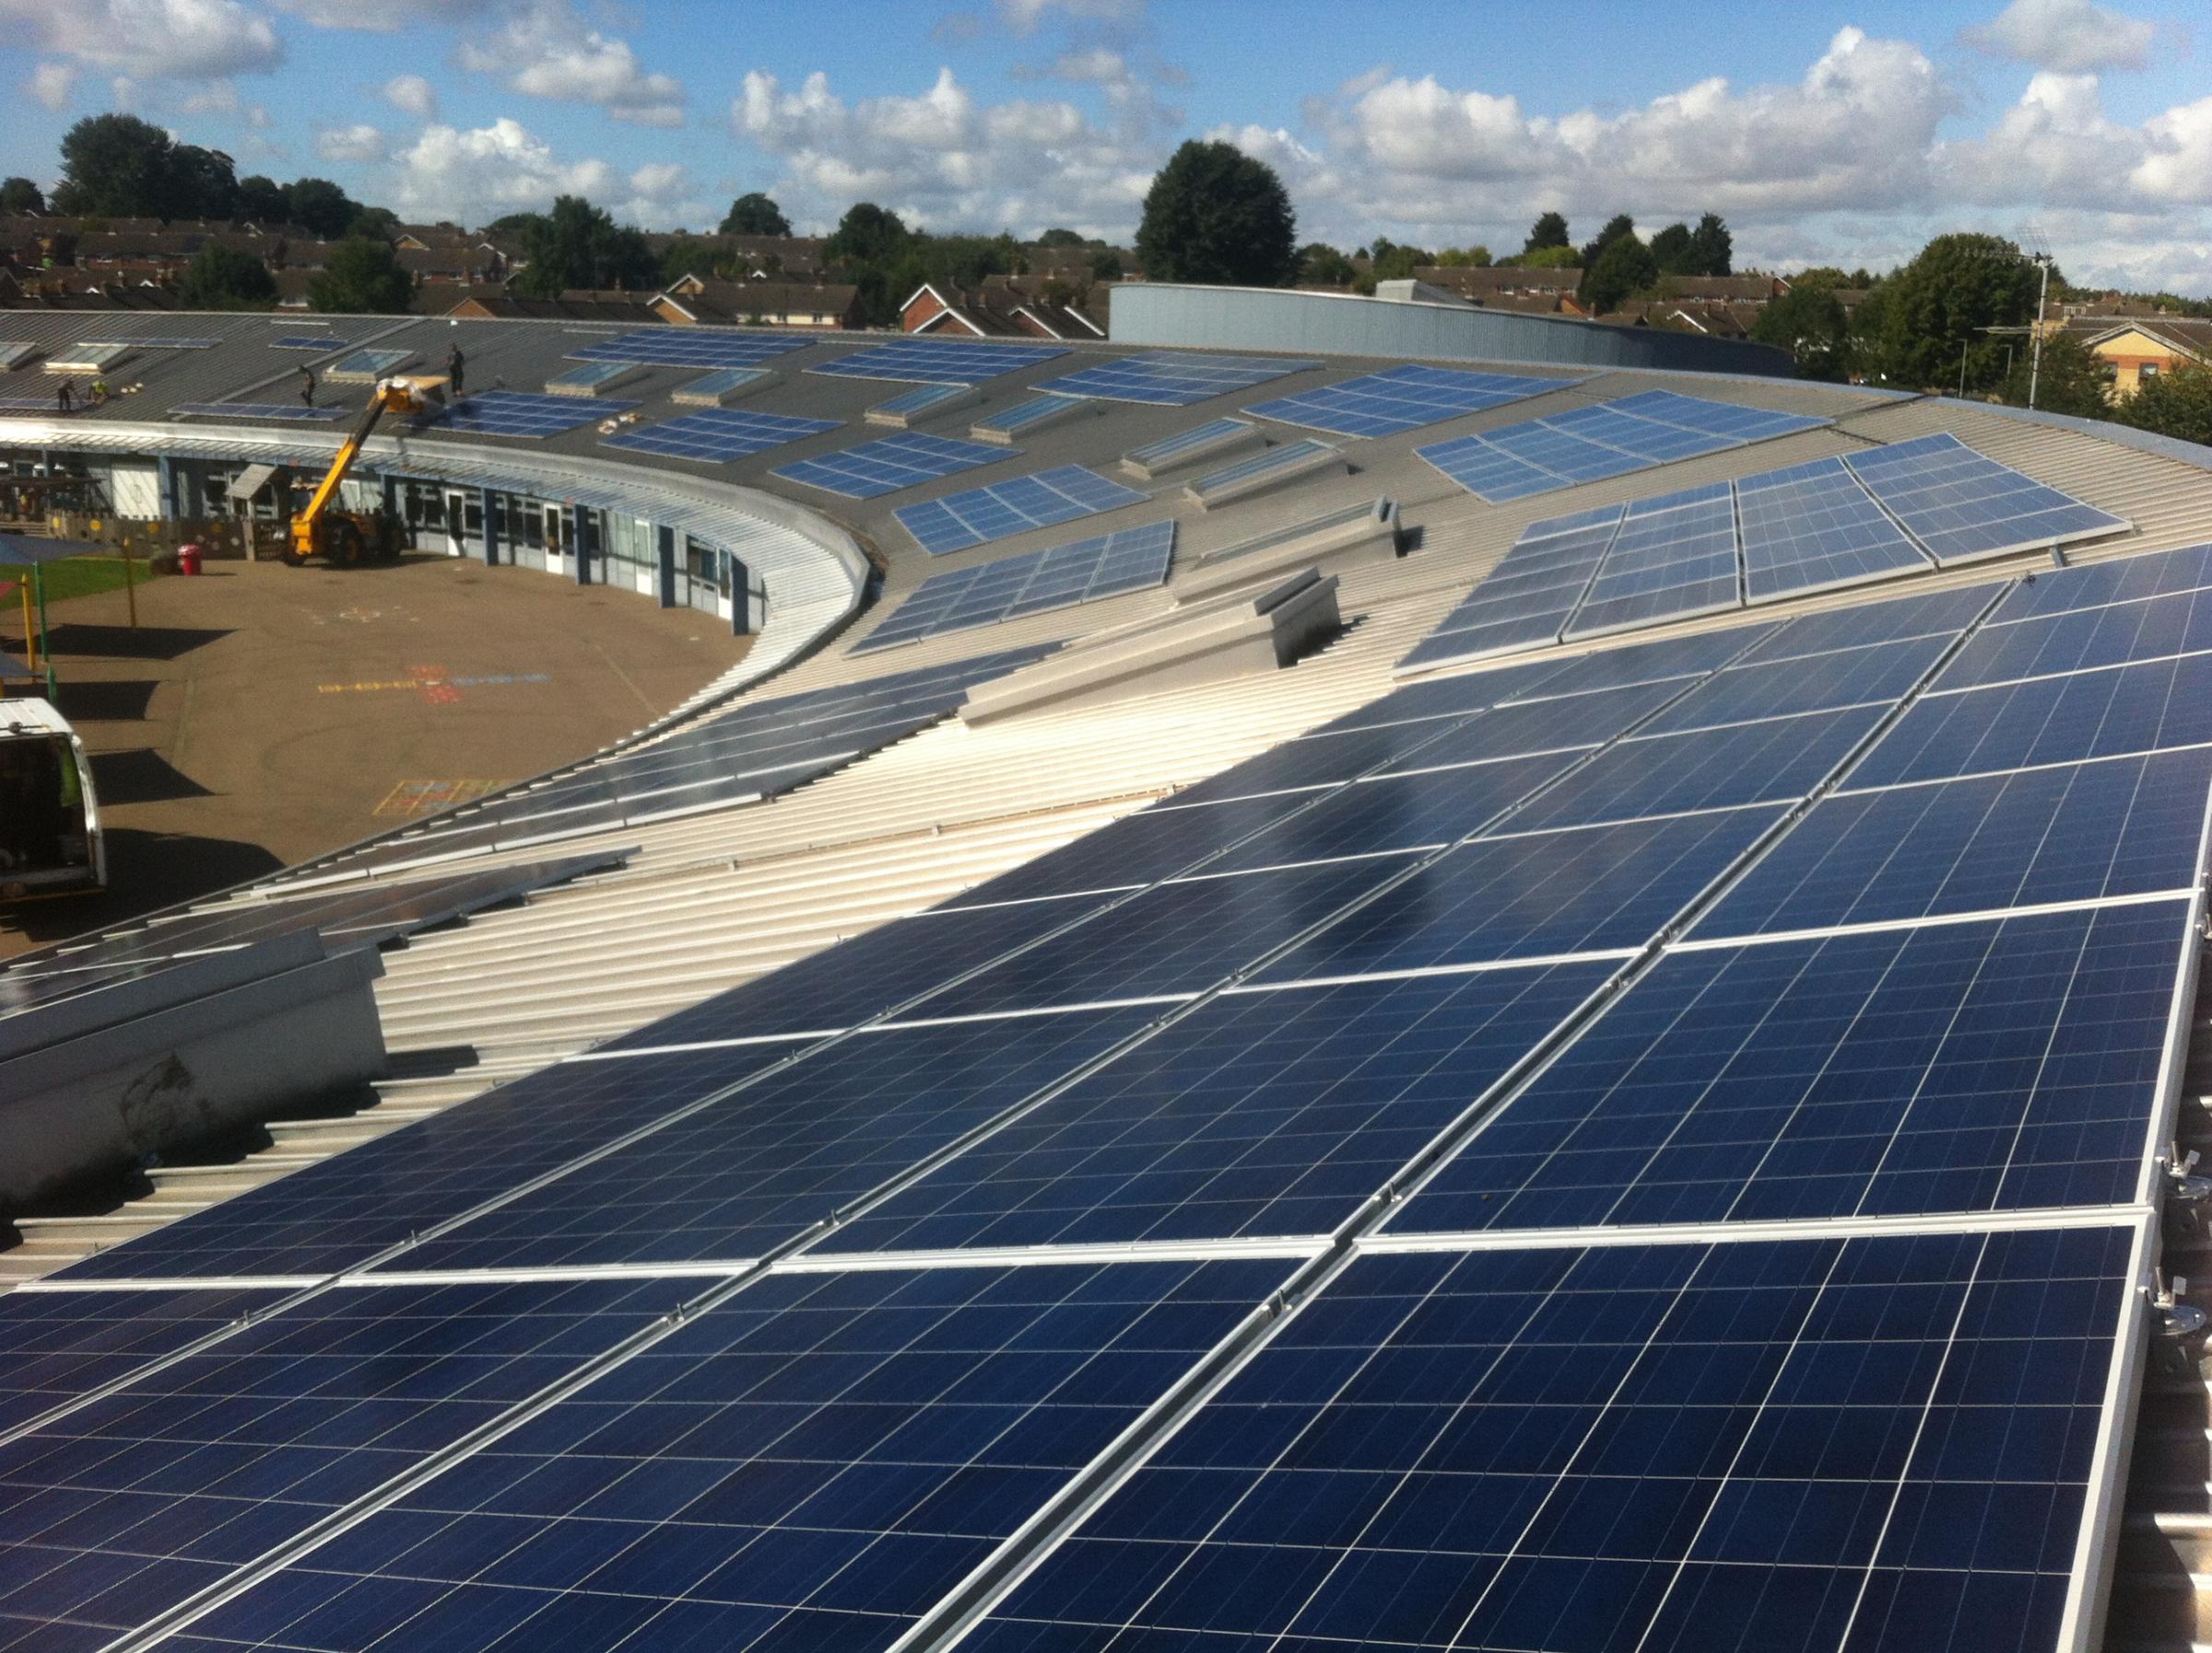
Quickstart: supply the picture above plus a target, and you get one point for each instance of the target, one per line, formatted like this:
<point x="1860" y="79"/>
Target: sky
<point x="1840" y="133"/>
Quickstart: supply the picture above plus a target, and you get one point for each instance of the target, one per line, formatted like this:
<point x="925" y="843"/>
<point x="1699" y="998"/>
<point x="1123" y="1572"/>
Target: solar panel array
<point x="286" y="412"/>
<point x="1172" y="379"/>
<point x="1612" y="439"/>
<point x="1653" y="1150"/>
<point x="691" y="347"/>
<point x="931" y="359"/>
<point x="891" y="462"/>
<point x="714" y="435"/>
<point x="759" y="749"/>
<point x="1080" y="571"/>
<point x="1014" y="506"/>
<point x="1400" y="398"/>
<point x="1785" y="533"/>
<point x="308" y="341"/>
<point x="521" y="413"/>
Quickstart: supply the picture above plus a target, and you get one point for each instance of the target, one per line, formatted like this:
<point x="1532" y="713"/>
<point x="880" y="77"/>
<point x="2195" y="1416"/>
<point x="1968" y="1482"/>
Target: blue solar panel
<point x="911" y="404"/>
<point x="717" y="435"/>
<point x="1424" y="809"/>
<point x="1240" y="475"/>
<point x="1187" y="444"/>
<point x="1812" y="526"/>
<point x="1647" y="662"/>
<point x="2102" y="713"/>
<point x="1400" y="398"/>
<point x="2080" y="639"/>
<point x="1991" y="1066"/>
<point x="1272" y="1112"/>
<point x="1030" y="415"/>
<point x="1938" y="613"/>
<point x="1604" y="441"/>
<point x="2076" y="831"/>
<point x="1172" y="379"/>
<point x="309" y="341"/>
<point x="1672" y="557"/>
<point x="1677" y="1450"/>
<point x="786" y="1153"/>
<point x="58" y="1347"/>
<point x="123" y="1509"/>
<point x="691" y="347"/>
<point x="1528" y="895"/>
<point x="521" y="413"/>
<point x="1880" y="674"/>
<point x="890" y="463"/>
<point x="2155" y="574"/>
<point x="1081" y="571"/>
<point x="929" y="358"/>
<point x="1962" y="506"/>
<point x="1322" y="760"/>
<point x="283" y="412"/>
<point x="1542" y="726"/>
<point x="811" y="1464"/>
<point x="1014" y="506"/>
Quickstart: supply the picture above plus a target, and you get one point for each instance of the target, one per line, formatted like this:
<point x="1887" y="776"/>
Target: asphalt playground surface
<point x="259" y="714"/>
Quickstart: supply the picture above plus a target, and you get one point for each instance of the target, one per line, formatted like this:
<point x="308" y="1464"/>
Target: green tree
<point x="755" y="214"/>
<point x="2177" y="404"/>
<point x="220" y="277"/>
<point x="2071" y="379"/>
<point x="261" y="201"/>
<point x="1548" y="232"/>
<point x="1319" y="265"/>
<point x="1808" y="321"/>
<point x="320" y="207"/>
<point x="119" y="166"/>
<point x="1619" y="226"/>
<point x="1671" y="252"/>
<point x="1623" y="269"/>
<point x="1548" y="258"/>
<point x="515" y="224"/>
<point x="1463" y="258"/>
<point x="688" y="255"/>
<point x="20" y="195"/>
<point x="1061" y="237"/>
<point x="867" y="234"/>
<point x="1215" y="213"/>
<point x="1712" y="248"/>
<point x="1106" y="266"/>
<point x="363" y="277"/>
<point x="580" y="245"/>
<point x="379" y="221"/>
<point x="1392" y="261"/>
<point x="1939" y="307"/>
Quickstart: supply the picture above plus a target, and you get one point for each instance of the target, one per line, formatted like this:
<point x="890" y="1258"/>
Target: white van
<point x="49" y="839"/>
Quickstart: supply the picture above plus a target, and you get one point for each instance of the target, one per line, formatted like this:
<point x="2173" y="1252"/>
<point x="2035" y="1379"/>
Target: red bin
<point x="188" y="559"/>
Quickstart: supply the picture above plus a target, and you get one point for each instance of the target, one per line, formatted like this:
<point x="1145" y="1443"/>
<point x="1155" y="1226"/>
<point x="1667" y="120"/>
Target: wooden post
<point x="130" y="588"/>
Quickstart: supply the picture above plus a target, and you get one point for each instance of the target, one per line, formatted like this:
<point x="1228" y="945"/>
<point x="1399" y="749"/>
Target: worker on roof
<point x="307" y="386"/>
<point x="455" y="365"/>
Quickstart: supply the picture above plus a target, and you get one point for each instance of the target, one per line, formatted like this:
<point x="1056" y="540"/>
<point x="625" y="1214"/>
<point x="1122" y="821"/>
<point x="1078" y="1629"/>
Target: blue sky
<point x="1839" y="133"/>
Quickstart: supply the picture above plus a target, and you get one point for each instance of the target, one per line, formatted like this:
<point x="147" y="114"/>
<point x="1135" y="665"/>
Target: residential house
<point x="704" y="301"/>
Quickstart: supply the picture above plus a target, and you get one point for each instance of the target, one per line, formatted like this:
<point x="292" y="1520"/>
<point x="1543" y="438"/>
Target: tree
<point x="517" y="224"/>
<point x="1625" y="268"/>
<point x="1549" y="230"/>
<point x="1809" y="323"/>
<point x="2177" y="404"/>
<point x="755" y="214"/>
<point x="1319" y="265"/>
<point x="688" y="255"/>
<point x="119" y="166"/>
<point x="20" y="195"/>
<point x="1463" y="258"/>
<point x="261" y="201"/>
<point x="220" y="277"/>
<point x="1617" y="226"/>
<point x="580" y="245"/>
<point x="1216" y="214"/>
<point x="1670" y="251"/>
<point x="1940" y="307"/>
<point x="1106" y="266"/>
<point x="1712" y="248"/>
<point x="1393" y="262"/>
<point x="1548" y="258"/>
<point x="363" y="277"/>
<point x="380" y="222"/>
<point x="1061" y="237"/>
<point x="320" y="207"/>
<point x="867" y="234"/>
<point x="2071" y="379"/>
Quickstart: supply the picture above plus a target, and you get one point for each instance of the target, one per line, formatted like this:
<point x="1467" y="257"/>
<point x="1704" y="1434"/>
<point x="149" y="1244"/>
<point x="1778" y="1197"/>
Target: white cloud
<point x="51" y="83"/>
<point x="2070" y="36"/>
<point x="547" y="52"/>
<point x="470" y="176"/>
<point x="1024" y="16"/>
<point x="411" y="94"/>
<point x="383" y="17"/>
<point x="356" y="143"/>
<point x="2055" y="147"/>
<point x="148" y="39"/>
<point x="2177" y="165"/>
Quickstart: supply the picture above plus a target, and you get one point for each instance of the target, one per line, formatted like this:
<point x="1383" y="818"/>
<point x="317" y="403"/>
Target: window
<point x="2149" y="370"/>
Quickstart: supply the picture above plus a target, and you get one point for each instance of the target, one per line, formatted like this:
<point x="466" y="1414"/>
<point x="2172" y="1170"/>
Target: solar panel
<point x="1014" y="506"/>
<point x="2082" y="639"/>
<point x="1788" y="1445"/>
<point x="1810" y="527"/>
<point x="691" y="347"/>
<point x="1188" y="447"/>
<point x="1727" y="1087"/>
<point x="1400" y="398"/>
<point x="1035" y="414"/>
<point x="1528" y="598"/>
<point x="1673" y="557"/>
<point x="57" y="1346"/>
<point x="1258" y="472"/>
<point x="367" y="364"/>
<point x="1879" y="674"/>
<point x="726" y="385"/>
<point x="890" y="463"/>
<point x="1081" y="571"/>
<point x="1172" y="379"/>
<point x="912" y="404"/>
<point x="2158" y="573"/>
<point x="1589" y="443"/>
<point x="930" y="359"/>
<point x="160" y="341"/>
<point x="1962" y="507"/>
<point x="716" y="435"/>
<point x="1930" y="614"/>
<point x="281" y="412"/>
<point x="308" y="341"/>
<point x="521" y="413"/>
